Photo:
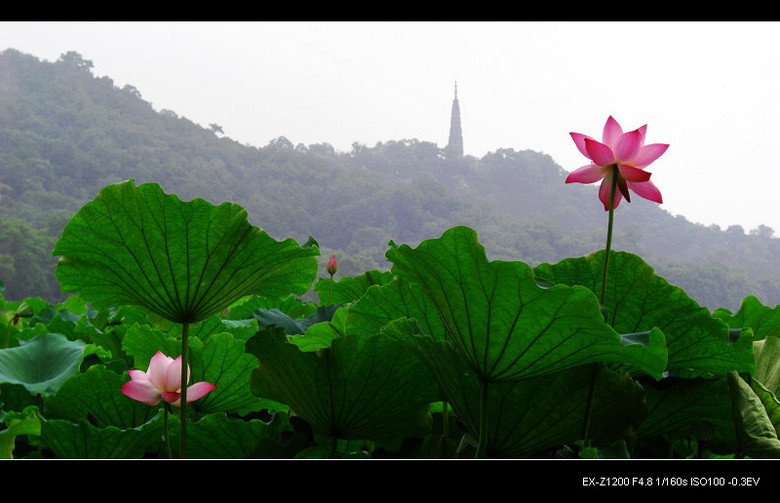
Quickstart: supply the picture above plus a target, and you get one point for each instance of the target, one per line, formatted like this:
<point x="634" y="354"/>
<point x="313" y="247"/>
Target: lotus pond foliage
<point x="447" y="355"/>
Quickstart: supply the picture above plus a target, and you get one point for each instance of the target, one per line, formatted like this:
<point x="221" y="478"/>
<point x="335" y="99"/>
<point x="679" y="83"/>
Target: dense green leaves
<point x="83" y="441"/>
<point x="525" y="359"/>
<point x="95" y="394"/>
<point x="682" y="406"/>
<point x="500" y="319"/>
<point x="638" y="300"/>
<point x="18" y="424"/>
<point x="217" y="436"/>
<point x="358" y="388"/>
<point x="184" y="261"/>
<point x="90" y="418"/>
<point x="347" y="290"/>
<point x="530" y="416"/>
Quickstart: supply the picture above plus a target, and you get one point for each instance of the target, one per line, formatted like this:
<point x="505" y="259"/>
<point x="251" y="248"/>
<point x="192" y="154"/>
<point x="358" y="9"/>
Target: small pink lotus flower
<point x="628" y="152"/>
<point x="162" y="381"/>
<point x="332" y="266"/>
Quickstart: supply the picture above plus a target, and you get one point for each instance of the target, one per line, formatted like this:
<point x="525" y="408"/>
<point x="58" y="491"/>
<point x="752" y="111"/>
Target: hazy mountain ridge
<point x="64" y="134"/>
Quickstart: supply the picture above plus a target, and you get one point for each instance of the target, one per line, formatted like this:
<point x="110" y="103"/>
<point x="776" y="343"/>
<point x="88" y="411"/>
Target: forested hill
<point x="64" y="134"/>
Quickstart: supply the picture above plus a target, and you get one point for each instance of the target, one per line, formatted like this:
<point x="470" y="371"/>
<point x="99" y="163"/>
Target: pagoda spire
<point x="455" y="145"/>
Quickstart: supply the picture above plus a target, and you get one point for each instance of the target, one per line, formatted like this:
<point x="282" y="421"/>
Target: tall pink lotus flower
<point x="162" y="381"/>
<point x="618" y="160"/>
<point x="625" y="151"/>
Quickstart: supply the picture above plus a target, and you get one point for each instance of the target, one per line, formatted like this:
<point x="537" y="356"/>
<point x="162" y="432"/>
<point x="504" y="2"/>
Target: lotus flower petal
<point x="587" y="174"/>
<point x="158" y="366"/>
<point x="606" y="185"/>
<point x="628" y="146"/>
<point x="142" y="390"/>
<point x="172" y="380"/>
<point x="647" y="190"/>
<point x="599" y="153"/>
<point x="199" y="390"/>
<point x="579" y="141"/>
<point x="172" y="397"/>
<point x="633" y="174"/>
<point x="648" y="154"/>
<point x="612" y="131"/>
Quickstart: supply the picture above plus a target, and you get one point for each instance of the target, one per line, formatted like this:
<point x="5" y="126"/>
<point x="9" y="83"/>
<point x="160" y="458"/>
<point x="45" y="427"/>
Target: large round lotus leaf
<point x="184" y="261"/>
<point x="41" y="364"/>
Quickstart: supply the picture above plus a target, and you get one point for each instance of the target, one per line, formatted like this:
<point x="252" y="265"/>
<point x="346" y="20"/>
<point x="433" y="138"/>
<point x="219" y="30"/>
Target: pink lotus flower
<point x="162" y="381"/>
<point x="628" y="152"/>
<point x="332" y="266"/>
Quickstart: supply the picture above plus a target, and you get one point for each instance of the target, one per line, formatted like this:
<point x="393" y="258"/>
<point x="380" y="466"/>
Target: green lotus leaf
<point x="756" y="433"/>
<point x="96" y="395"/>
<point x="530" y="416"/>
<point x="184" y="261"/>
<point x="688" y="405"/>
<point x="505" y="324"/>
<point x="82" y="440"/>
<point x="41" y="364"/>
<point x="291" y="306"/>
<point x="240" y="329"/>
<point x="275" y="317"/>
<point x="769" y="401"/>
<point x="396" y="299"/>
<point x="223" y="362"/>
<point x="26" y="422"/>
<point x="347" y="290"/>
<point x="370" y="388"/>
<point x="763" y="320"/>
<point x="638" y="300"/>
<point x="320" y="335"/>
<point x="217" y="436"/>
<point x="767" y="353"/>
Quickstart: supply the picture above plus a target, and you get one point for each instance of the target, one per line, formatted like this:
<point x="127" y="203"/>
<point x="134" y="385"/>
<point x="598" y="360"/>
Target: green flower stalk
<point x="331" y="267"/>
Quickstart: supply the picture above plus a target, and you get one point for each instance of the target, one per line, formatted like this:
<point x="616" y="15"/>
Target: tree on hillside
<point x="26" y="264"/>
<point x="75" y="60"/>
<point x="763" y="231"/>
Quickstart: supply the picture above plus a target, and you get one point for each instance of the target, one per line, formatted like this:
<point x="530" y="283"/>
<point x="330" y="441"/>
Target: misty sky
<point x="708" y="89"/>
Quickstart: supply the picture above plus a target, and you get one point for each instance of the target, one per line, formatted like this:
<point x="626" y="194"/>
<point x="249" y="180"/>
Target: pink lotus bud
<point x="332" y="266"/>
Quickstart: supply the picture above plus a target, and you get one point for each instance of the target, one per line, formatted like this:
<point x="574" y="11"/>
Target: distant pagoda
<point x="454" y="148"/>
